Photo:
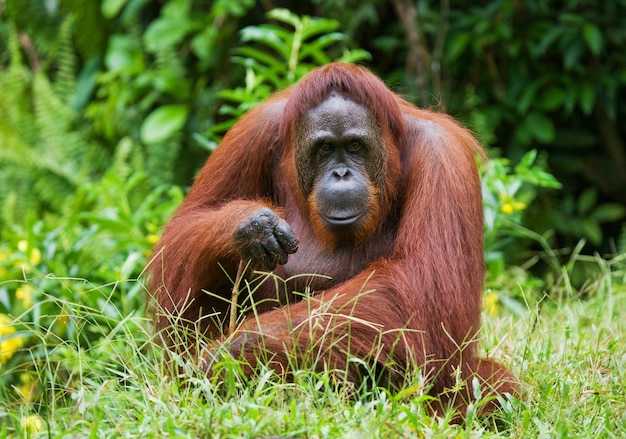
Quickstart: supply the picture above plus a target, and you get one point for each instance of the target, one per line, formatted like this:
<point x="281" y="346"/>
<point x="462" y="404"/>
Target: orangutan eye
<point x="324" y="149"/>
<point x="355" y="147"/>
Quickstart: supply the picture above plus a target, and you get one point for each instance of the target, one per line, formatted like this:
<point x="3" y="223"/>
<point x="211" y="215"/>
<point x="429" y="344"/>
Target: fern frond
<point x="43" y="155"/>
<point x="65" y="59"/>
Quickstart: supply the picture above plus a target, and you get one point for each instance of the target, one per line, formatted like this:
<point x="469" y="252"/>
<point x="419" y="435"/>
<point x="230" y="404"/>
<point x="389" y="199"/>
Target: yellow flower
<point x="492" y="303"/>
<point x="25" y="294"/>
<point x="22" y="246"/>
<point x="35" y="256"/>
<point x="509" y="205"/>
<point x="507" y="208"/>
<point x="152" y="238"/>
<point x="9" y="343"/>
<point x="31" y="425"/>
<point x="28" y="389"/>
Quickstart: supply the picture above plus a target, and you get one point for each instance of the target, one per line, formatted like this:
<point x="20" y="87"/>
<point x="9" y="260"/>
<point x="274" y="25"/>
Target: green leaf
<point x="204" y="142"/>
<point x="203" y="43"/>
<point x="587" y="200"/>
<point x="124" y="54"/>
<point x="228" y="7"/>
<point x="527" y="97"/>
<point x="285" y="16"/>
<point x="166" y="32"/>
<point x="541" y="127"/>
<point x="320" y="26"/>
<point x="572" y="55"/>
<point x="592" y="231"/>
<point x="326" y="40"/>
<point x="587" y="97"/>
<point x="315" y="49"/>
<point x="458" y="44"/>
<point x="354" y="56"/>
<point x="608" y="212"/>
<point x="527" y="160"/>
<point x="552" y="98"/>
<point x="522" y="133"/>
<point x="168" y="82"/>
<point x="86" y="83"/>
<point x="177" y="9"/>
<point x="110" y="8"/>
<point x="593" y="38"/>
<point x="541" y="178"/>
<point x="270" y="37"/>
<point x="163" y="123"/>
<point x="547" y="39"/>
<point x="257" y="59"/>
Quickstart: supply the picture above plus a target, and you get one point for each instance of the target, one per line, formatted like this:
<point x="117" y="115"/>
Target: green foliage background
<point x="79" y="77"/>
<point x="108" y="109"/>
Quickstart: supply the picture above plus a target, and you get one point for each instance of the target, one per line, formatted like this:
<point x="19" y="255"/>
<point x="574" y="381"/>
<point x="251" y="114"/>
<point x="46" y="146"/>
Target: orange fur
<point x="407" y="291"/>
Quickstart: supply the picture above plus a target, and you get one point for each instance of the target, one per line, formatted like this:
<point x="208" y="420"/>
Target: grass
<point x="568" y="350"/>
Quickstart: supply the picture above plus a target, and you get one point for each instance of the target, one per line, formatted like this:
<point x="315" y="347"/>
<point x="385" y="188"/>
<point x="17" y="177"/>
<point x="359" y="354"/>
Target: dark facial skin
<point x="340" y="161"/>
